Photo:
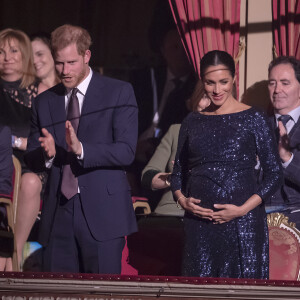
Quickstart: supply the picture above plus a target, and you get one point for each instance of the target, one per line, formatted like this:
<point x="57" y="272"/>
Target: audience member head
<point x="70" y="48"/>
<point x="67" y="35"/>
<point x="286" y="60"/>
<point x="199" y="99"/>
<point x="174" y="54"/>
<point x="164" y="39"/>
<point x="217" y="71"/>
<point x="16" y="59"/>
<point x="43" y="60"/>
<point x="284" y="84"/>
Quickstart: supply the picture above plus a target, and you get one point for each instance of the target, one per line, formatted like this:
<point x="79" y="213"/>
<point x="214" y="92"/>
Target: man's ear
<point x="234" y="78"/>
<point x="87" y="56"/>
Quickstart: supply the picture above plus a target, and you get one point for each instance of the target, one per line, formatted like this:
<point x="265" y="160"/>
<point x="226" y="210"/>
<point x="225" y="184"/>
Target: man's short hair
<point x="295" y="63"/>
<point x="66" y="35"/>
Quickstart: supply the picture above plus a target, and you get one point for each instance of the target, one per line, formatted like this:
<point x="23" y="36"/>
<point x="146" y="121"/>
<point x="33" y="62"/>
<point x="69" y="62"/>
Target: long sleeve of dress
<point x="181" y="158"/>
<point x="268" y="155"/>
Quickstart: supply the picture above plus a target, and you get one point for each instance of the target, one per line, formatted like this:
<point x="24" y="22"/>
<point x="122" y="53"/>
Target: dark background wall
<point x="118" y="27"/>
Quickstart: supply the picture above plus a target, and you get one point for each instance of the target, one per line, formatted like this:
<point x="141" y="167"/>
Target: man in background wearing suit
<point x="162" y="91"/>
<point x="284" y="90"/>
<point x="84" y="131"/>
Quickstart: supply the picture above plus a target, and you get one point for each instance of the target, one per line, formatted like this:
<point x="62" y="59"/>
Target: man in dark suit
<point x="84" y="131"/>
<point x="284" y="90"/>
<point x="162" y="94"/>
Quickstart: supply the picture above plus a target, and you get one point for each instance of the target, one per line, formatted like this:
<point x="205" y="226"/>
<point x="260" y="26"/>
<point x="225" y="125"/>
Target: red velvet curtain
<point x="286" y="23"/>
<point x="206" y="25"/>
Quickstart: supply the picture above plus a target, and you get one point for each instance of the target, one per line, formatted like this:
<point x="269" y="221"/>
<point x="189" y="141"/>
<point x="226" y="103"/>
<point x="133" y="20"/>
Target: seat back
<point x="141" y="202"/>
<point x="16" y="185"/>
<point x="284" y="243"/>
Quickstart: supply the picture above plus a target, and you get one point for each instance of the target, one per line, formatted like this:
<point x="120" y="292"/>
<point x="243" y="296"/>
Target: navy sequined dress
<point x="215" y="162"/>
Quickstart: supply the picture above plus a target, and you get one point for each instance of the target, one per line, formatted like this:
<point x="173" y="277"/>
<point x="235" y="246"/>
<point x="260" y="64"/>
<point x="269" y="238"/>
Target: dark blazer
<point x="289" y="193"/>
<point x="108" y="133"/>
<point x="6" y="163"/>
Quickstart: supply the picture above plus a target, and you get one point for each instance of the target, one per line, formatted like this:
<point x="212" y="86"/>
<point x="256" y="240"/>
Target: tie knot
<point x="284" y="119"/>
<point x="74" y="92"/>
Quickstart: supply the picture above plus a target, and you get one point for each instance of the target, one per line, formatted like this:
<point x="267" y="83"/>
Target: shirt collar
<point x="295" y="114"/>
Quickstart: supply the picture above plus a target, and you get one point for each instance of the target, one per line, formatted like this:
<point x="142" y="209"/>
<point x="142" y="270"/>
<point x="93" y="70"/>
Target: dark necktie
<point x="284" y="119"/>
<point x="69" y="184"/>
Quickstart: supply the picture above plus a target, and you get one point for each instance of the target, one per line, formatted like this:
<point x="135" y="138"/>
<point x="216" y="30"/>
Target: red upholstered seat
<point x="126" y="268"/>
<point x="284" y="251"/>
<point x="137" y="198"/>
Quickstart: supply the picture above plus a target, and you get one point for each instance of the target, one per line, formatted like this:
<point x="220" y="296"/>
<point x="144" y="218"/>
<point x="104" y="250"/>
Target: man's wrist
<point x="285" y="158"/>
<point x="79" y="153"/>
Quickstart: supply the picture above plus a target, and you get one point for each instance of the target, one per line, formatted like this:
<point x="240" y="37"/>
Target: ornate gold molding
<point x="276" y="219"/>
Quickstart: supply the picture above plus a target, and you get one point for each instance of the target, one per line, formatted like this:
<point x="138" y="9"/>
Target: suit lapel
<point x="90" y="103"/>
<point x="58" y="114"/>
<point x="294" y="135"/>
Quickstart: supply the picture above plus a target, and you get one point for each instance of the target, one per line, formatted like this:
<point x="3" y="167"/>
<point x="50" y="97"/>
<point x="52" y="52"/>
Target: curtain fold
<point x="286" y="22"/>
<point x="206" y="25"/>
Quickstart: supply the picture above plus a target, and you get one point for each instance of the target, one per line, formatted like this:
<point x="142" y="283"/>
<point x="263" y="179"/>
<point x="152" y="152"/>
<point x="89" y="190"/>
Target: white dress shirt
<point x="82" y="88"/>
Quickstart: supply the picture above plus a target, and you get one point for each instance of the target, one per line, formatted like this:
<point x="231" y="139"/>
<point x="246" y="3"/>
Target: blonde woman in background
<point x="18" y="88"/>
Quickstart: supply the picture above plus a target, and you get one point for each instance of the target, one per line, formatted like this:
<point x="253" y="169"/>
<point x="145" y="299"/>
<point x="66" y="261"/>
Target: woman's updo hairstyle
<point x="214" y="58"/>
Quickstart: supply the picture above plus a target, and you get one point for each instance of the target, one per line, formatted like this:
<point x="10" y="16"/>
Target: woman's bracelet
<point x="177" y="202"/>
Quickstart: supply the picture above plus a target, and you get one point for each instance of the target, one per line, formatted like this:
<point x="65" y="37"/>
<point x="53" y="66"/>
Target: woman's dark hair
<point x="197" y="95"/>
<point x="214" y="58"/>
<point x="45" y="37"/>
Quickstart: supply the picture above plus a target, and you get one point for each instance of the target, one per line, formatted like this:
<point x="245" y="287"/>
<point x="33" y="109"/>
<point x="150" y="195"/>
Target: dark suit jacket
<point x="108" y="133"/>
<point x="6" y="163"/>
<point x="289" y="193"/>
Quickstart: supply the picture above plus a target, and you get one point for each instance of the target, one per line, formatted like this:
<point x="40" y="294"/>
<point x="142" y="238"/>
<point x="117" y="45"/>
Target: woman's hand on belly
<point x="226" y="213"/>
<point x="192" y="205"/>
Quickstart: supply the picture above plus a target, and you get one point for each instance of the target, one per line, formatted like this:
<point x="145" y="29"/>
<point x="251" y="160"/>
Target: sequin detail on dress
<point x="215" y="162"/>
